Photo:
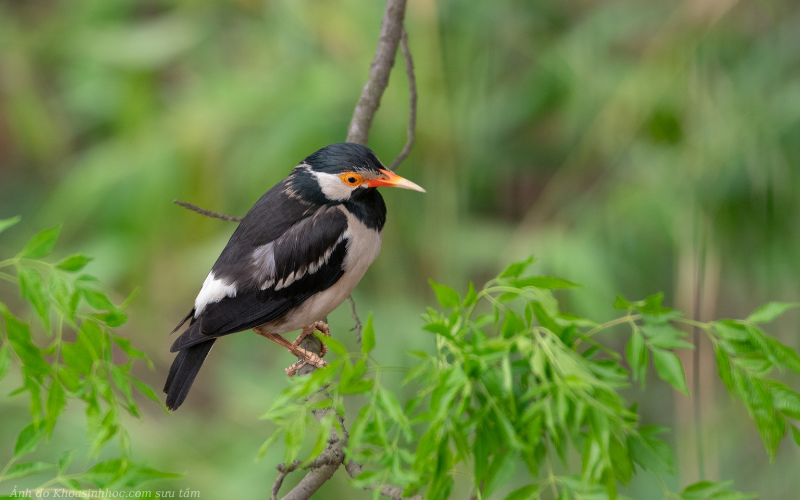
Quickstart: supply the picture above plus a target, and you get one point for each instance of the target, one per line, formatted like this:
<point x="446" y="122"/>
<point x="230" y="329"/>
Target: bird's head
<point x="345" y="170"/>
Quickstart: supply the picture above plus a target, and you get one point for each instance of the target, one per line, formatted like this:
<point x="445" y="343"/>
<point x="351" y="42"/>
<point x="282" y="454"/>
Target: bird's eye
<point x="352" y="179"/>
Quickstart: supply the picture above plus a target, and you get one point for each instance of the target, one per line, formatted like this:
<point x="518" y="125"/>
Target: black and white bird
<point x="295" y="257"/>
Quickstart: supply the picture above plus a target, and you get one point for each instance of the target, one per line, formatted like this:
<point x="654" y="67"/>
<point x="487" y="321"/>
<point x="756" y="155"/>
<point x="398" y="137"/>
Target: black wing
<point x="272" y="265"/>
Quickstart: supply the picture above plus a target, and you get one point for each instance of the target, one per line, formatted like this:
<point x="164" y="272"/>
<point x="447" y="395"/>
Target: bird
<point x="294" y="258"/>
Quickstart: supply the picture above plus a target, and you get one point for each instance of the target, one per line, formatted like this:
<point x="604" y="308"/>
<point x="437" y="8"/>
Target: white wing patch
<point x="213" y="290"/>
<point x="264" y="261"/>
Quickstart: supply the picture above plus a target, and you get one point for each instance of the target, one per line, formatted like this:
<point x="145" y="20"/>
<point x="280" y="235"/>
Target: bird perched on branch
<point x="295" y="257"/>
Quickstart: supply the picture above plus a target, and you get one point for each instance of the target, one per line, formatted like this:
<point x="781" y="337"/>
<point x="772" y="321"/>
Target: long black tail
<point x="183" y="371"/>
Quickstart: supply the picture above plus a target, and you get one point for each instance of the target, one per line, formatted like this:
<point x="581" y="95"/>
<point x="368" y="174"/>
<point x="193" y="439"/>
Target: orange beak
<point x="393" y="180"/>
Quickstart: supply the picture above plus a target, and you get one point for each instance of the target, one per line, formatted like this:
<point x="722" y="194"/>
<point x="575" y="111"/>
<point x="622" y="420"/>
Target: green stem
<point x="698" y="324"/>
<point x="9" y="262"/>
<point x="5" y="469"/>
<point x="9" y="278"/>
<point x="613" y="322"/>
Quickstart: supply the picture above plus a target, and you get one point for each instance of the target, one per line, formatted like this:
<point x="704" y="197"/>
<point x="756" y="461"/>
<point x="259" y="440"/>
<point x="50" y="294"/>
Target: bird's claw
<point x="308" y="356"/>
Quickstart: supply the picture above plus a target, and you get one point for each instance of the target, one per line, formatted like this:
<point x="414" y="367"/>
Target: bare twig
<point x="370" y="100"/>
<point x="356" y="319"/>
<point x="207" y="213"/>
<point x="412" y="103"/>
<point x="276" y="486"/>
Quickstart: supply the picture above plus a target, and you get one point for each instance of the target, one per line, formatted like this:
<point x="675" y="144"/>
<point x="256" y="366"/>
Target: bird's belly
<point x="363" y="250"/>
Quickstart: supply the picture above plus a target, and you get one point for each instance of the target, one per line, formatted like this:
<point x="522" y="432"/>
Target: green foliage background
<point x="612" y="139"/>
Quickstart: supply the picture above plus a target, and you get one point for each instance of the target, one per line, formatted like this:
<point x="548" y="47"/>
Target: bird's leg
<point x="307" y="356"/>
<point x="319" y="325"/>
<point x="322" y="327"/>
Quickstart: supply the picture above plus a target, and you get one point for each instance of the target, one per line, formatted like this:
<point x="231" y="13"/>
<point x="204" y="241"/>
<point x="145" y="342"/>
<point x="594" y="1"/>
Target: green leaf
<point x="92" y="337"/>
<point x="27" y="469"/>
<point x="544" y="282"/>
<point x="42" y="244"/>
<point x="784" y="399"/>
<point x="56" y="401"/>
<point x="142" y="474"/>
<point x="666" y="336"/>
<point x="7" y="223"/>
<point x="27" y="440"/>
<point x="544" y="319"/>
<point x="446" y="296"/>
<point x="723" y="366"/>
<point x="472" y="295"/>
<point x="74" y="262"/>
<point x="147" y="391"/>
<point x="269" y="442"/>
<point x="652" y="305"/>
<point x="334" y="344"/>
<point x="650" y="452"/>
<point x="97" y="299"/>
<point x="368" y="336"/>
<point x="388" y="402"/>
<point x="77" y="357"/>
<point x="770" y="311"/>
<point x="637" y="356"/>
<point x="707" y="490"/>
<point x="523" y="493"/>
<point x="670" y="369"/>
<point x="5" y="360"/>
<point x="730" y="330"/>
<point x="512" y="325"/>
<point x="64" y="461"/>
<point x="796" y="435"/>
<point x="621" y="303"/>
<point x="517" y="268"/>
<point x="20" y="336"/>
<point x="31" y="286"/>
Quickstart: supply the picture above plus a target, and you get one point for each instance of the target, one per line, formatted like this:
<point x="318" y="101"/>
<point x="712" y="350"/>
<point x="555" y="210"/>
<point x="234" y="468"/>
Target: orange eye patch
<point x="352" y="179"/>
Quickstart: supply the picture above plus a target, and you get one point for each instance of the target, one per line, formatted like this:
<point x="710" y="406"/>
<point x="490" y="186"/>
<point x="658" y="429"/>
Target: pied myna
<point x="295" y="257"/>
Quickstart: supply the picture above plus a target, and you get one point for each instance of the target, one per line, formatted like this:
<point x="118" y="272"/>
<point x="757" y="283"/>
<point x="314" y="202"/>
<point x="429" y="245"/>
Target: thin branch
<point x="321" y="469"/>
<point x="354" y="469"/>
<point x="276" y="486"/>
<point x="356" y="319"/>
<point x="207" y="213"/>
<point x="412" y="103"/>
<point x="379" y="70"/>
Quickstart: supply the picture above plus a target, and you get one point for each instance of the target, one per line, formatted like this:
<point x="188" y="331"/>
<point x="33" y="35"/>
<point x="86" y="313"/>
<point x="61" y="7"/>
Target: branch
<point x="393" y="34"/>
<point x="392" y="31"/>
<point x="370" y="100"/>
<point x="412" y="103"/>
<point x="321" y="469"/>
<point x="356" y="320"/>
<point x="207" y="213"/>
<point x="387" y="490"/>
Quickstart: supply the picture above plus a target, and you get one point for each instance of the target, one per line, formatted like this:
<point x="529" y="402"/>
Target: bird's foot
<point x="308" y="357"/>
<point x="319" y="325"/>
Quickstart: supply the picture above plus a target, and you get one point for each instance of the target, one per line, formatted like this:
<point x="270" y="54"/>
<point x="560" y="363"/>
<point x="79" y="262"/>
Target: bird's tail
<point x="183" y="371"/>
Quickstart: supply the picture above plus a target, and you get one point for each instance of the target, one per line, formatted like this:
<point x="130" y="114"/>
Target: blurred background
<point x="632" y="146"/>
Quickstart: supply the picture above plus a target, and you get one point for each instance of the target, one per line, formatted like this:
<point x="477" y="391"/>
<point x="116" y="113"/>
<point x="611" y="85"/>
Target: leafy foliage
<point x="515" y="382"/>
<point x="71" y="361"/>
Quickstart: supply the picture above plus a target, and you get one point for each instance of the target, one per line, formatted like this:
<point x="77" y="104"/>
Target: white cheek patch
<point x="332" y="186"/>
<point x="213" y="290"/>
